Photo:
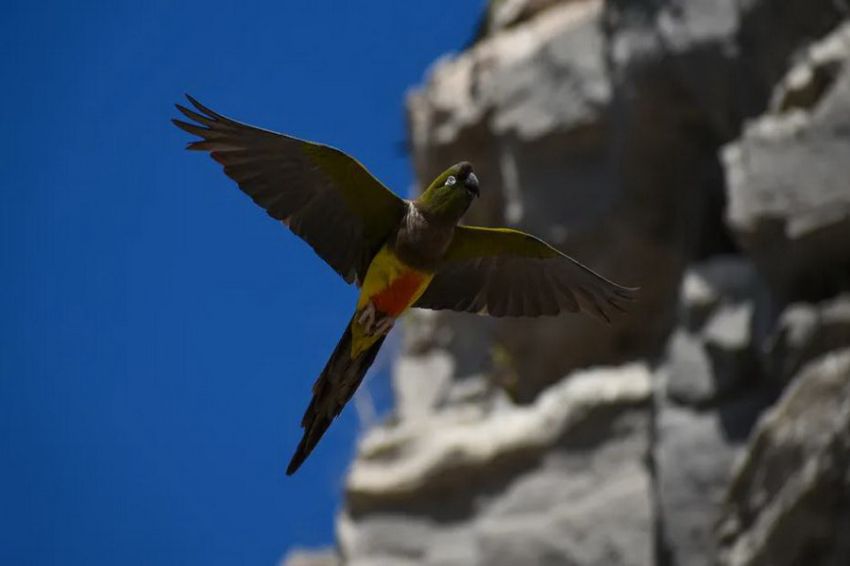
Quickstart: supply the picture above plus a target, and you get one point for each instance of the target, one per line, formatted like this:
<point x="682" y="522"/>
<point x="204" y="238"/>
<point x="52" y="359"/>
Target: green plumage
<point x="347" y="216"/>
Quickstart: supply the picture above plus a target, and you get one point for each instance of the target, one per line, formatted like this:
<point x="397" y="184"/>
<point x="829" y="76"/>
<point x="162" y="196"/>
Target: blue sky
<point x="159" y="334"/>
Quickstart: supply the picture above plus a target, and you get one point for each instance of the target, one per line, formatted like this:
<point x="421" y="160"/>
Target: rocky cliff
<point x="699" y="149"/>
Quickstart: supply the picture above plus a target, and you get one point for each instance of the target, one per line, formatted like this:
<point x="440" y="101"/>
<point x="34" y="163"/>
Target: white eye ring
<point x="451" y="181"/>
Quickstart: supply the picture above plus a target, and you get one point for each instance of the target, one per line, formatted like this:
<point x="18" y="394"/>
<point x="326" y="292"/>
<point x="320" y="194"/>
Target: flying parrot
<point x="400" y="253"/>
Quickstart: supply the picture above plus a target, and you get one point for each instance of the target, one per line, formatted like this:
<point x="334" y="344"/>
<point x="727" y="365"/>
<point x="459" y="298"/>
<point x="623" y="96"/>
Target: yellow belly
<point x="392" y="287"/>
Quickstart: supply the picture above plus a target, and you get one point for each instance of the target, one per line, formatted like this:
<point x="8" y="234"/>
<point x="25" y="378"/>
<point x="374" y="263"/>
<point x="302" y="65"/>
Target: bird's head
<point x="451" y="193"/>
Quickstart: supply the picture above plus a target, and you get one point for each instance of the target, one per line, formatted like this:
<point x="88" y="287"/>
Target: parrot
<point x="401" y="253"/>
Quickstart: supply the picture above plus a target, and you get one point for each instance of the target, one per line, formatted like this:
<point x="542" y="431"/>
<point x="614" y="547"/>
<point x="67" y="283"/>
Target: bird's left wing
<point x="323" y="195"/>
<point x="504" y="272"/>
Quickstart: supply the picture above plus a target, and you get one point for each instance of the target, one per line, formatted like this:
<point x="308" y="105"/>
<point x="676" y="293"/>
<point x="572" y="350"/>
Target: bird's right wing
<point x="323" y="195"/>
<point x="504" y="272"/>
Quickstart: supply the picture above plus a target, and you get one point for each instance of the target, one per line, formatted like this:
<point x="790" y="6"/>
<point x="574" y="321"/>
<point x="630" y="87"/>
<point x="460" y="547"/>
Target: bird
<point x="401" y="253"/>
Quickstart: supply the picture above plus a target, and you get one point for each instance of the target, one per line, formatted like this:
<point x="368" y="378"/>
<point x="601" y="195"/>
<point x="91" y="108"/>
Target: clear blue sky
<point x="159" y="334"/>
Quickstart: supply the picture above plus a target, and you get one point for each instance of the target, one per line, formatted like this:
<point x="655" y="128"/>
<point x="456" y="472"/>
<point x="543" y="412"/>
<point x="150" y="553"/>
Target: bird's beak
<point x="471" y="184"/>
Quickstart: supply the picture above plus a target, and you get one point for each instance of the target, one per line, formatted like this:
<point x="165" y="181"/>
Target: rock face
<point x="699" y="150"/>
<point x="532" y="108"/>
<point x="303" y="557"/>
<point x="496" y="483"/>
<point x="712" y="356"/>
<point x="707" y="397"/>
<point x="789" y="197"/>
<point x="789" y="499"/>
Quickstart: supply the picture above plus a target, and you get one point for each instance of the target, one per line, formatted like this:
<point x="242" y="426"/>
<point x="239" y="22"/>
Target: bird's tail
<point x="332" y="390"/>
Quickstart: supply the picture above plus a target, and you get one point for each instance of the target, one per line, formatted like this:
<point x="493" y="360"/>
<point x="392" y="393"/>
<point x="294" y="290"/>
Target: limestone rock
<point x="559" y="481"/>
<point x="599" y="126"/>
<point x="804" y="332"/>
<point x="421" y="383"/>
<point x="789" y="201"/>
<point x="690" y="379"/>
<point x="449" y="446"/>
<point x="706" y="285"/>
<point x="789" y="502"/>
<point x="311" y="557"/>
<point x="530" y="108"/>
<point x="706" y="403"/>
<point x="713" y="355"/>
<point x="693" y="454"/>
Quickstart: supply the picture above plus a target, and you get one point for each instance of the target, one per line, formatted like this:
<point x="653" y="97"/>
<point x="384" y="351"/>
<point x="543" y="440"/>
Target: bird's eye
<point x="451" y="181"/>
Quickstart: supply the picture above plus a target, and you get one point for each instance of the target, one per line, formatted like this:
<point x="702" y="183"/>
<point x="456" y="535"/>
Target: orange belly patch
<point x="393" y="299"/>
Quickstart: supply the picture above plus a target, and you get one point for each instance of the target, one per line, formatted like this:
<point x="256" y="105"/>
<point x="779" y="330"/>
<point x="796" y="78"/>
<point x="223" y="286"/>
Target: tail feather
<point x="332" y="390"/>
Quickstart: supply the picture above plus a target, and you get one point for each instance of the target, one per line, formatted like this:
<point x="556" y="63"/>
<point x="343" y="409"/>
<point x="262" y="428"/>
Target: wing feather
<point x="504" y="272"/>
<point x="323" y="195"/>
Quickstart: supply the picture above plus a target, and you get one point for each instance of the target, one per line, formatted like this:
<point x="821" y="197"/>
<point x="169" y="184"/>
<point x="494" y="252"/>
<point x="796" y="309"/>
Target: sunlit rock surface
<point x="697" y="149"/>
<point x="789" y="500"/>
<point x="532" y="108"/>
<point x="305" y="557"/>
<point x="789" y="197"/>
<point x="488" y="482"/>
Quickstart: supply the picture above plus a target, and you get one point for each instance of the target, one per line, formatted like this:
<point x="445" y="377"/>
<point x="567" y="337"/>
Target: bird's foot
<point x="373" y="321"/>
<point x="385" y="324"/>
<point x="367" y="317"/>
